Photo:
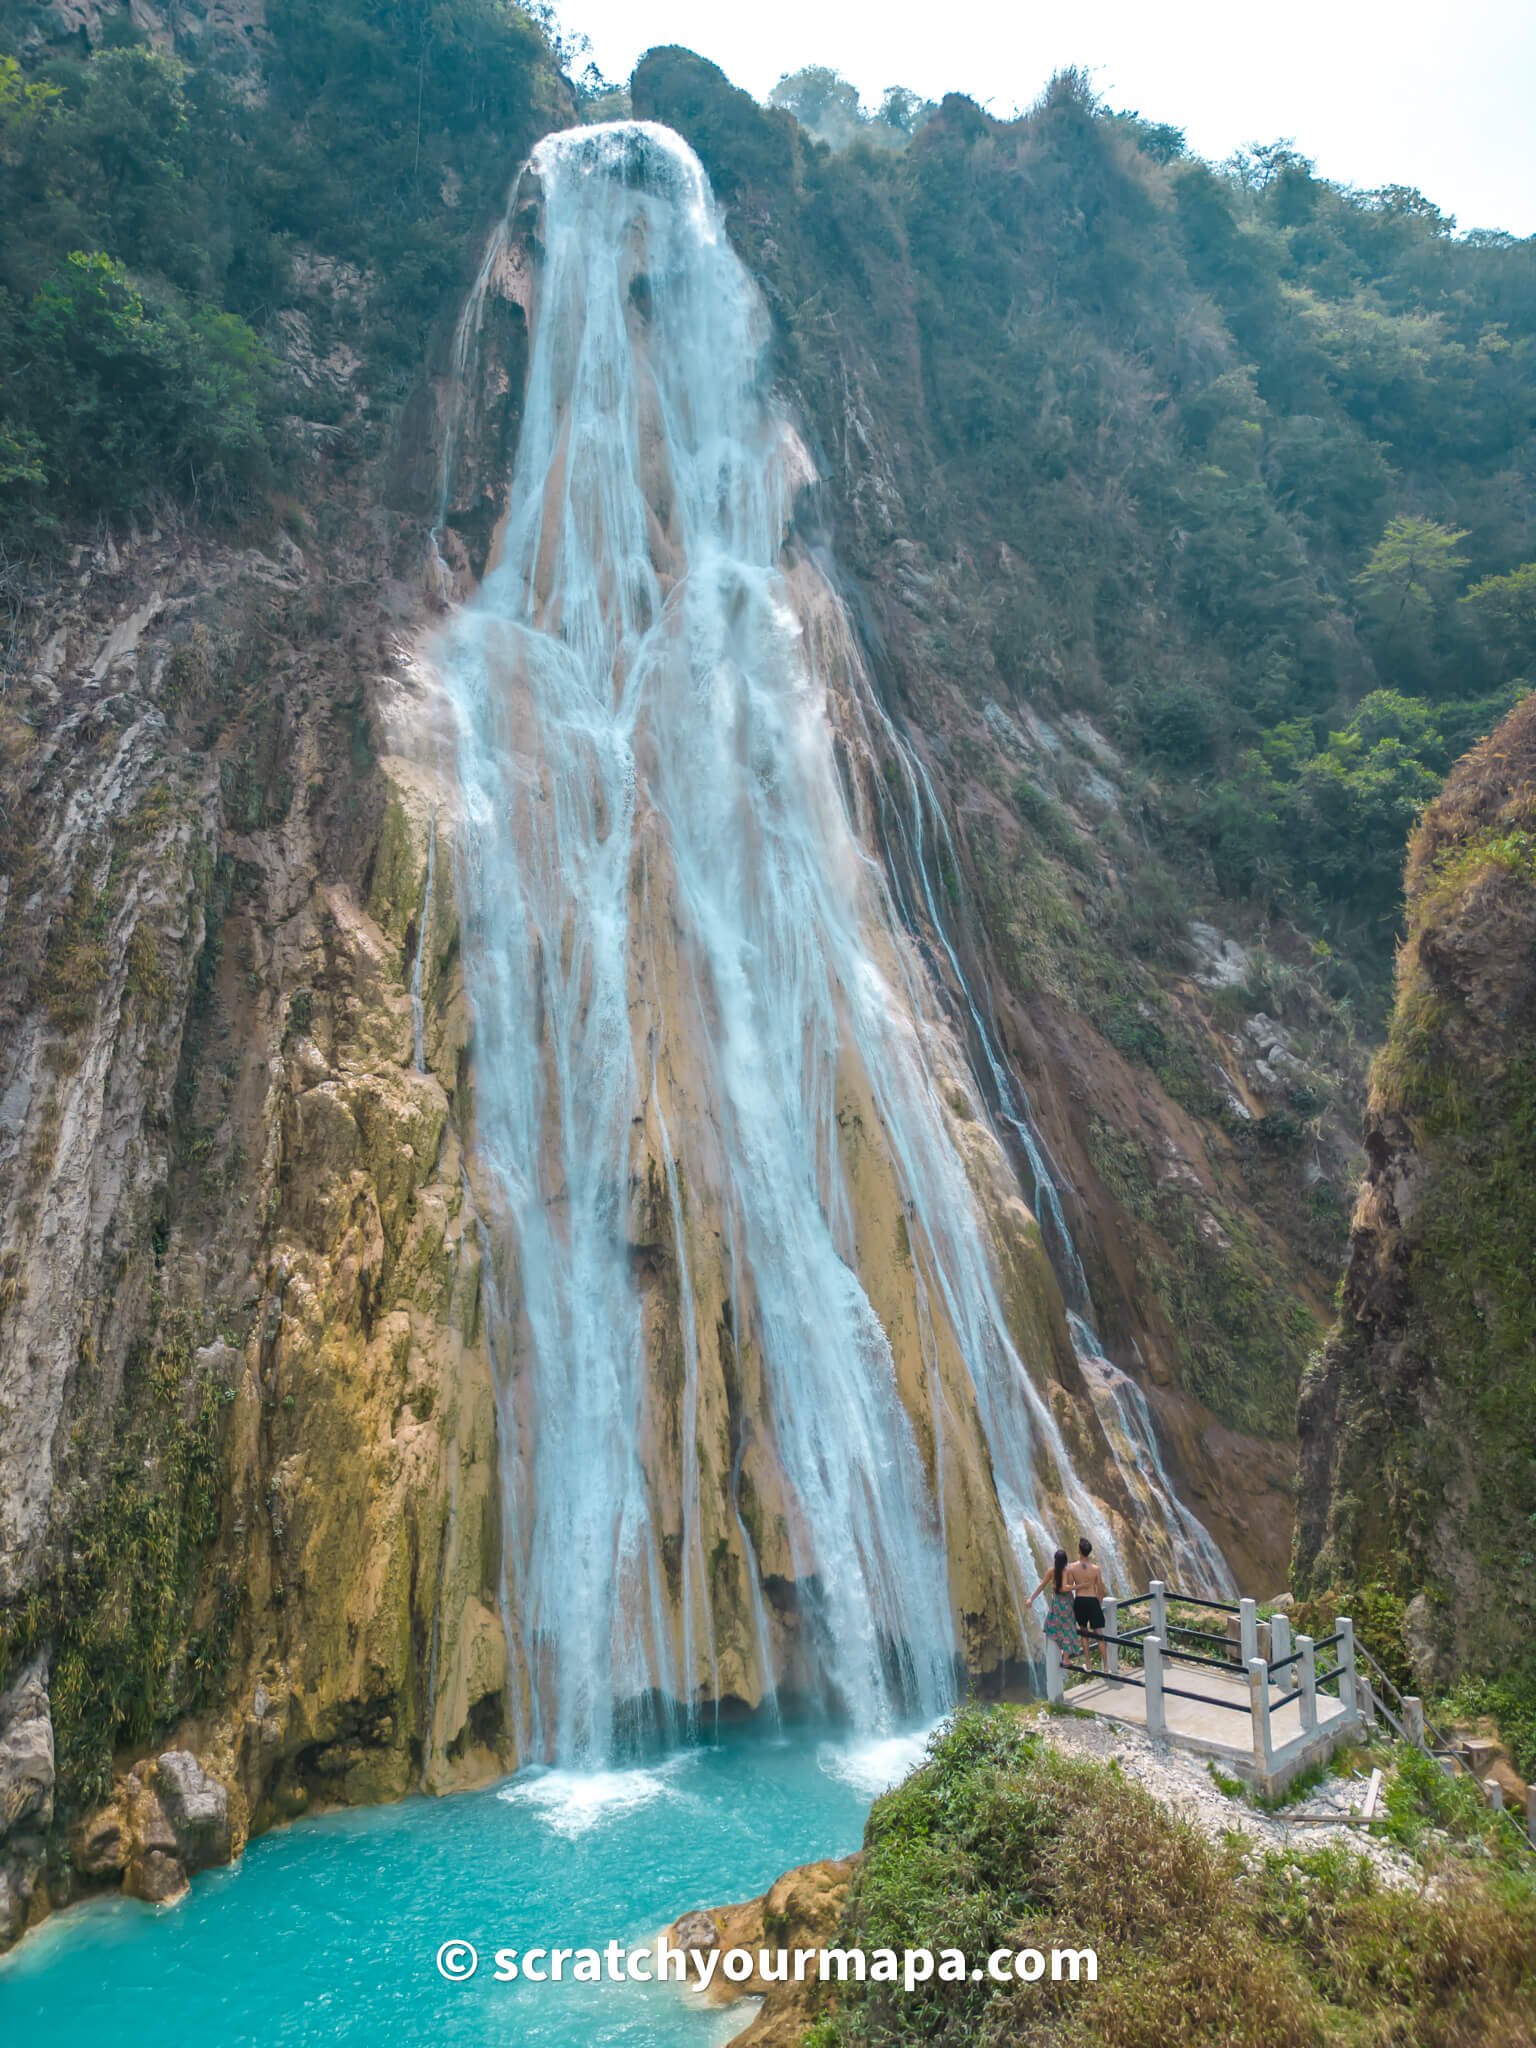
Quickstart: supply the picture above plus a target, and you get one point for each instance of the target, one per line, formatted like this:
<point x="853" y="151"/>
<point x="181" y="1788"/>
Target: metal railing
<point x="1157" y="1642"/>
<point x="1365" y="1691"/>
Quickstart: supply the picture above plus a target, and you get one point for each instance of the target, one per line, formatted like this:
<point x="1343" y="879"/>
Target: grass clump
<point x="1302" y="1786"/>
<point x="1000" y="1841"/>
<point x="1233" y="1788"/>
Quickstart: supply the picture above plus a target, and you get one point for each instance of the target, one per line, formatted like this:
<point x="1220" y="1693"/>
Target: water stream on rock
<point x="696" y="1000"/>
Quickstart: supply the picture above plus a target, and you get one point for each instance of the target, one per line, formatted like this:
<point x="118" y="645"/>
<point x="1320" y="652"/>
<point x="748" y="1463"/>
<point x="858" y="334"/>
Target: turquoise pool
<point x="328" y="1930"/>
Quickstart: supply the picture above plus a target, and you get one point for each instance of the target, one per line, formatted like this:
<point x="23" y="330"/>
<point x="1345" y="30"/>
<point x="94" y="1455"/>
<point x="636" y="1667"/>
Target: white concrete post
<point x="1258" y="1692"/>
<point x="1530" y="1813"/>
<point x="1493" y="1792"/>
<point x="1152" y="1653"/>
<point x="1053" y="1684"/>
<point x="1307" y="1682"/>
<point x="1248" y="1624"/>
<point x="1280" y="1644"/>
<point x="1346" y="1664"/>
<point x="1159" y="1594"/>
<point x="1413" y="1719"/>
<point x="1367" y="1702"/>
<point x="1111" y="1628"/>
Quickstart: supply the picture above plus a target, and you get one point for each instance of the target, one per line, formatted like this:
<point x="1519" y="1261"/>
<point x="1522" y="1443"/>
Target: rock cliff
<point x="1418" y="1484"/>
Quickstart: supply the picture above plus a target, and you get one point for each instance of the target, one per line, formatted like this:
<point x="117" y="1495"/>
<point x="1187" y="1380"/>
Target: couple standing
<point x="1074" y="1609"/>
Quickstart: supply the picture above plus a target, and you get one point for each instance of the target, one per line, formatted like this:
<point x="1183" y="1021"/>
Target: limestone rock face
<point x="26" y="1753"/>
<point x="1416" y="1478"/>
<point x="234" y="1240"/>
<point x="26" y="1797"/>
<point x="223" y="30"/>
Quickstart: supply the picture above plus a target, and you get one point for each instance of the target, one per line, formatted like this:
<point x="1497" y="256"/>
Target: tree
<point x="821" y="100"/>
<point x="1411" y="568"/>
<point x="1160" y="139"/>
<point x="1358" y="797"/>
<point x="24" y="104"/>
<point x="1504" y="609"/>
<point x="149" y="393"/>
<point x="1257" y="166"/>
<point x="903" y="110"/>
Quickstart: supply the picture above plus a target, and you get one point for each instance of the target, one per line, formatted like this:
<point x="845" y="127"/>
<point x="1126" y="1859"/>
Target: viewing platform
<point x="1264" y="1718"/>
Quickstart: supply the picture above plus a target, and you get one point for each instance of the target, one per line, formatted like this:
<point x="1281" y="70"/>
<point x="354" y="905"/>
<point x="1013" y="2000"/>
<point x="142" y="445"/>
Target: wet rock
<point x="169" y="1818"/>
<point x="20" y="1884"/>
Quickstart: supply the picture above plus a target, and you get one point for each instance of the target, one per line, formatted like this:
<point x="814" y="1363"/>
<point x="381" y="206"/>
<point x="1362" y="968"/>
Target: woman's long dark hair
<point x="1060" y="1567"/>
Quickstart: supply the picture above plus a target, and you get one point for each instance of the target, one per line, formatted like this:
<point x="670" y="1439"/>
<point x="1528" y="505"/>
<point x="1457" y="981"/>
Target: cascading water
<point x="750" y="1291"/>
<point x="1187" y="1551"/>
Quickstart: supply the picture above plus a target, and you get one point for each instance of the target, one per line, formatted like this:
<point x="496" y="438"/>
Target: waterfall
<point x="754" y="1257"/>
<point x="1186" y="1550"/>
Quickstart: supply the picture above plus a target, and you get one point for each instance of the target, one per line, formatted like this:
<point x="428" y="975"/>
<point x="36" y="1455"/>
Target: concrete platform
<point x="1223" y="1732"/>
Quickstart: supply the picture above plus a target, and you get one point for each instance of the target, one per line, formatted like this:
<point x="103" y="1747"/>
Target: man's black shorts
<point x="1088" y="1612"/>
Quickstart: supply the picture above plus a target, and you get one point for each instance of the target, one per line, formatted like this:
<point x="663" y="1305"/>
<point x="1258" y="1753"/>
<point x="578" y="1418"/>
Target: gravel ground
<point x="1182" y="1781"/>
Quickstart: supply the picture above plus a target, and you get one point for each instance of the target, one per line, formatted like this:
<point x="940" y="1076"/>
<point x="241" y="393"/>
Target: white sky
<point x="1378" y="92"/>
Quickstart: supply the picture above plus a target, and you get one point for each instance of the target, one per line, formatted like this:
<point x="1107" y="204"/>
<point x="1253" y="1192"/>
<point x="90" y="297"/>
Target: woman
<point x="1060" y="1621"/>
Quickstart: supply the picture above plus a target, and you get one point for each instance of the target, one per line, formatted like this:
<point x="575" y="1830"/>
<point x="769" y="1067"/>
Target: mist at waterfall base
<point x="327" y="1930"/>
<point x="682" y="919"/>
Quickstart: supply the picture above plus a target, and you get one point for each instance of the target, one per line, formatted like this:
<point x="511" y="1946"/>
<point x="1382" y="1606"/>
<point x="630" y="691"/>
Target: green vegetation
<point x="1508" y="1699"/>
<point x="827" y="106"/>
<point x="1425" y="1807"/>
<point x="1000" y="1841"/>
<point x="159" y="217"/>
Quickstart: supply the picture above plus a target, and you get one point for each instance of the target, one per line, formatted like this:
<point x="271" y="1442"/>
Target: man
<point x="1086" y="1584"/>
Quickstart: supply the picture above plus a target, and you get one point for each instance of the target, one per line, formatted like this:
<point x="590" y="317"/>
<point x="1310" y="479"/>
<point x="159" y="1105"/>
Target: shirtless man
<point x="1085" y="1582"/>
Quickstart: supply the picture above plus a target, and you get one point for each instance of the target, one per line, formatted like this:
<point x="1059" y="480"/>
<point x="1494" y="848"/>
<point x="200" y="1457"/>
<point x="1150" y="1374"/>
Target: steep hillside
<point x="1418" y="1480"/>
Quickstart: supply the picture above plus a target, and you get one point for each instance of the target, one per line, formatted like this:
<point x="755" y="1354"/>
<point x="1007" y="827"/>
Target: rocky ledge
<point x="166" y="1818"/>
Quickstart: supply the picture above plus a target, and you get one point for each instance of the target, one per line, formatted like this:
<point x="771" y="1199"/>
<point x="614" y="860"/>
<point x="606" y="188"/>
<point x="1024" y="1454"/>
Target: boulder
<point x="167" y="1819"/>
<point x="197" y="1808"/>
<point x="156" y="1877"/>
